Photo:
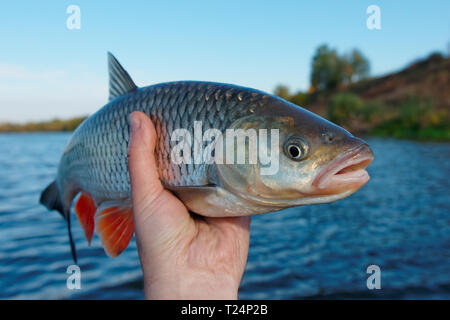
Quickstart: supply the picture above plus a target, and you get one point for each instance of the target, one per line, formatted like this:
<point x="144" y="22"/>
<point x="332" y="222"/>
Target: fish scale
<point x="98" y="146"/>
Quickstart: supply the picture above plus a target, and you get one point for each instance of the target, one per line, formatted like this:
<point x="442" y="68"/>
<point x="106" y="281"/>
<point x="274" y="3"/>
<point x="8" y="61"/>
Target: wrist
<point x="192" y="286"/>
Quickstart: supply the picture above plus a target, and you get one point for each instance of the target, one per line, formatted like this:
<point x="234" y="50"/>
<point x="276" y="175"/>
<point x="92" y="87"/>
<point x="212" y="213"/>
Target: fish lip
<point x="357" y="155"/>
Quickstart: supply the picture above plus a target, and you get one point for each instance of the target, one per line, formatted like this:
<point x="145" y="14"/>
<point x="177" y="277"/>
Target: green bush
<point x="344" y="107"/>
<point x="300" y="99"/>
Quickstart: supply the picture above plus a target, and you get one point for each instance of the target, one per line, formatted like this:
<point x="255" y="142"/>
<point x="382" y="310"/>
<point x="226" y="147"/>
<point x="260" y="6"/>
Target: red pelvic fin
<point x="115" y="226"/>
<point x="85" y="209"/>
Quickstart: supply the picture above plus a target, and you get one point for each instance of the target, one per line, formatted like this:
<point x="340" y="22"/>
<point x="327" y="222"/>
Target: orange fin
<point x="85" y="209"/>
<point x="115" y="226"/>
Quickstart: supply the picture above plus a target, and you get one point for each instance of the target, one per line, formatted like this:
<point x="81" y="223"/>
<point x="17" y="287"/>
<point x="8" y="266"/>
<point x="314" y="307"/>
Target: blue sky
<point x="47" y="70"/>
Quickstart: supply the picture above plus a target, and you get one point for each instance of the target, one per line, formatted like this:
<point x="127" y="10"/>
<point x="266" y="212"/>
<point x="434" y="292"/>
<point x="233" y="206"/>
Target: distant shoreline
<point x="55" y="125"/>
<point x="409" y="104"/>
<point x="68" y="126"/>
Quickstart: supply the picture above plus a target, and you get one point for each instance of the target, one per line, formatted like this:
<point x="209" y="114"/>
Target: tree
<point x="329" y="70"/>
<point x="326" y="69"/>
<point x="282" y="91"/>
<point x="355" y="66"/>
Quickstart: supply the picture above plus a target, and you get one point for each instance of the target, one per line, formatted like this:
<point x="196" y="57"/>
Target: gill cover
<point x="260" y="177"/>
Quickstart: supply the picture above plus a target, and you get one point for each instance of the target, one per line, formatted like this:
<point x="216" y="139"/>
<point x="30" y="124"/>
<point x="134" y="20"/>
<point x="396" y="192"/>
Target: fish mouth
<point x="346" y="173"/>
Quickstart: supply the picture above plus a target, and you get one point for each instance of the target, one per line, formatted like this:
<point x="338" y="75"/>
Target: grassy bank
<point x="413" y="118"/>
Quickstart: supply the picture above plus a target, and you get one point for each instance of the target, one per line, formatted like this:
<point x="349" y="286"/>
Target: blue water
<point x="399" y="221"/>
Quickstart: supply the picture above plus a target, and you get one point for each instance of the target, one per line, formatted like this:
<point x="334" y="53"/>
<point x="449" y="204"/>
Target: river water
<point x="399" y="221"/>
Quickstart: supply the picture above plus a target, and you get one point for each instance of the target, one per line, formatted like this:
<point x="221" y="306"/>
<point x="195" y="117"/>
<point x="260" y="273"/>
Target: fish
<point x="316" y="161"/>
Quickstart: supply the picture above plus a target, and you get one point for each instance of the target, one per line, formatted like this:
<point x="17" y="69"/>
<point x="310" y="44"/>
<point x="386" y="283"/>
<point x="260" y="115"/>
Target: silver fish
<point x="318" y="161"/>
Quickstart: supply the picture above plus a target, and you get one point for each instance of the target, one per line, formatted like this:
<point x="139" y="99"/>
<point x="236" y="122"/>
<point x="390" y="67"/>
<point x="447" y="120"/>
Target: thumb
<point x="155" y="209"/>
<point x="144" y="178"/>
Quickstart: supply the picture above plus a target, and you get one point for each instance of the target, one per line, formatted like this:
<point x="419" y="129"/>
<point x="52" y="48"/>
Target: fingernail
<point x="135" y="122"/>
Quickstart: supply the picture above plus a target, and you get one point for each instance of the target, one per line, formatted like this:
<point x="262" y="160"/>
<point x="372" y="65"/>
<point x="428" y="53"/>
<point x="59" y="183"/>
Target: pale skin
<point x="183" y="256"/>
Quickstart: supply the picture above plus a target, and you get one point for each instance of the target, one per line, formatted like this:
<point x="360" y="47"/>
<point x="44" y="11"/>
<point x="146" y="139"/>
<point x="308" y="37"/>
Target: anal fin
<point x="115" y="226"/>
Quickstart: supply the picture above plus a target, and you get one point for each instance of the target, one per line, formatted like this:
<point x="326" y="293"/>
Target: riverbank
<point x="413" y="122"/>
<point x="413" y="103"/>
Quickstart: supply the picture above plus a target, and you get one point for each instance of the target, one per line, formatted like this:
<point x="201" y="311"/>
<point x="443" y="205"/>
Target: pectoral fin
<point x="211" y="201"/>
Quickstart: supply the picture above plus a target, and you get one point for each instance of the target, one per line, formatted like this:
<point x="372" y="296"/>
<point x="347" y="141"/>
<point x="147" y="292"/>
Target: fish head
<point x="311" y="160"/>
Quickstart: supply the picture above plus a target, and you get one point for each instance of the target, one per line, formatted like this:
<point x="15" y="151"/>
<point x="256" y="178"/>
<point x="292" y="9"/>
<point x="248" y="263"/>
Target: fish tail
<point x="51" y="199"/>
<point x="73" y="250"/>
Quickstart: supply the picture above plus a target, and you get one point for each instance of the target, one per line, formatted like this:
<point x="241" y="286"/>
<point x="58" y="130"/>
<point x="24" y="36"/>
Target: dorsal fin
<point x="120" y="81"/>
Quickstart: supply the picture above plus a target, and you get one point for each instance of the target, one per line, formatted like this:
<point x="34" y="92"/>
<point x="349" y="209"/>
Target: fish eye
<point x="296" y="149"/>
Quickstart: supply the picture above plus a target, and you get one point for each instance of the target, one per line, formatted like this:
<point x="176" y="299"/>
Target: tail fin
<point x="52" y="200"/>
<point x="73" y="250"/>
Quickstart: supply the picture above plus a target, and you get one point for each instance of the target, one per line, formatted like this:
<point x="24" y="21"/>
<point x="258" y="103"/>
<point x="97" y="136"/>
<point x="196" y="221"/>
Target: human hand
<point x="183" y="256"/>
